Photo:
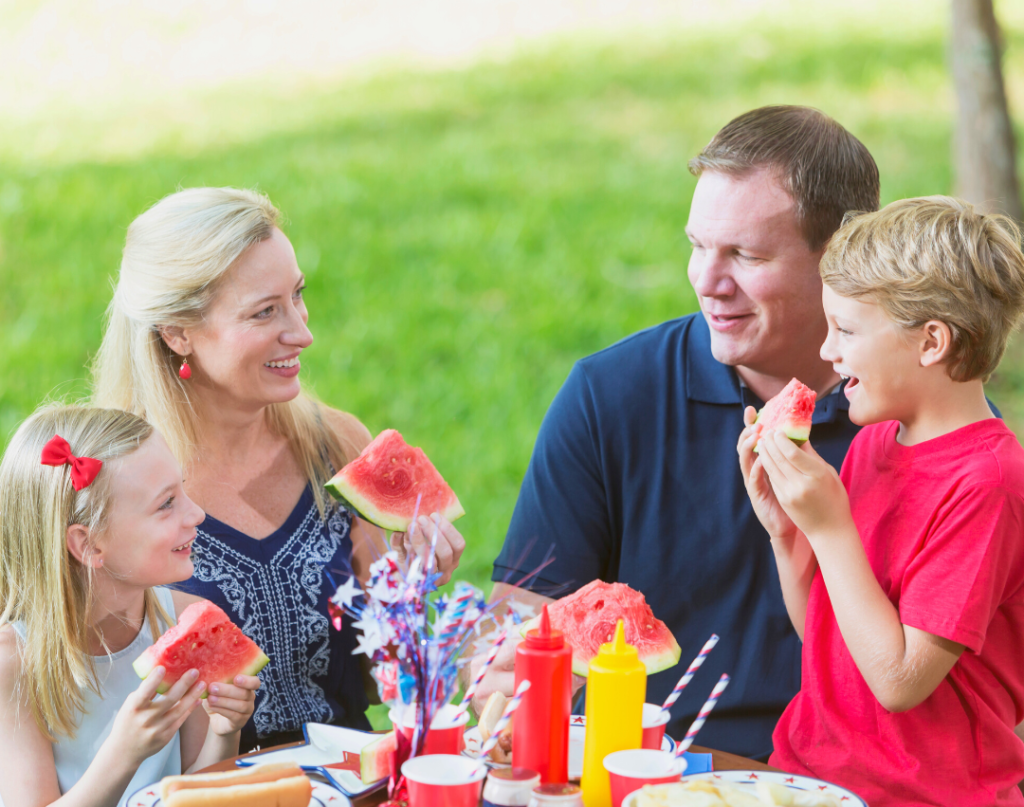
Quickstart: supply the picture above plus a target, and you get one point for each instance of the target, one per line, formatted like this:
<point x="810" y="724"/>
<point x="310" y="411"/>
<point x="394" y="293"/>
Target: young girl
<point x="93" y="522"/>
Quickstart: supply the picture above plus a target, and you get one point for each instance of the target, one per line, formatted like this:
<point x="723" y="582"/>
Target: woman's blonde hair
<point x="935" y="258"/>
<point x="42" y="586"/>
<point x="175" y="256"/>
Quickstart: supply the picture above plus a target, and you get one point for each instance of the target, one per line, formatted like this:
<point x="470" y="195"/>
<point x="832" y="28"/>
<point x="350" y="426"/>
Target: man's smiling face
<point x="755" y="275"/>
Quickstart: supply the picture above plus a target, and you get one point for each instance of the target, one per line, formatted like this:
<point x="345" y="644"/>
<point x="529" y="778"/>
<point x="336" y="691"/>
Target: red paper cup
<point x="446" y="735"/>
<point x="631" y="770"/>
<point x="444" y="780"/>
<point x="654" y="722"/>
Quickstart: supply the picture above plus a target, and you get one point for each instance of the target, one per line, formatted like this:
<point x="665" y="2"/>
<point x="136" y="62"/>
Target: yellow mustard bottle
<point x="616" y="688"/>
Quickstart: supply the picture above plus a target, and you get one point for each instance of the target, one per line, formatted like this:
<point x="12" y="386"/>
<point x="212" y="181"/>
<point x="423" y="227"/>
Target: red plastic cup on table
<point x="631" y="770"/>
<point x="444" y="780"/>
<point x="446" y="735"/>
<point x="654" y="721"/>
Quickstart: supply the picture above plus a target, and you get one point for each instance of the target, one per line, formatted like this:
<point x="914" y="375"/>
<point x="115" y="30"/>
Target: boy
<point x="913" y="627"/>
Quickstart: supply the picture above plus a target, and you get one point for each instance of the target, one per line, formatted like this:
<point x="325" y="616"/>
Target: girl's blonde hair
<point x="42" y="585"/>
<point x="175" y="257"/>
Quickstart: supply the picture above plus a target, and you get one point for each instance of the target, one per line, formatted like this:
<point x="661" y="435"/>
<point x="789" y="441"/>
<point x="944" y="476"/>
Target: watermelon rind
<point x="351" y="493"/>
<point x="376" y="759"/>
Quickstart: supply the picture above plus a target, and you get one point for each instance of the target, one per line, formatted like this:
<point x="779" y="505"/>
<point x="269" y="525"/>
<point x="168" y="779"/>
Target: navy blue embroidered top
<point x="276" y="591"/>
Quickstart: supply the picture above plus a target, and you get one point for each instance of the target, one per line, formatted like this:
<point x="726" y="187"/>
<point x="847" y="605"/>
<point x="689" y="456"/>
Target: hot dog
<point x="278" y="784"/>
<point x="489" y="716"/>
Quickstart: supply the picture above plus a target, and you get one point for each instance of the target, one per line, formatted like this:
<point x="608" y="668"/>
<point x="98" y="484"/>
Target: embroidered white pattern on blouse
<point x="276" y="603"/>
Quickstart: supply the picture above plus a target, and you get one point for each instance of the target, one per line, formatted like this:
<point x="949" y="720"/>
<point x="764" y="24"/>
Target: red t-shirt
<point x="943" y="527"/>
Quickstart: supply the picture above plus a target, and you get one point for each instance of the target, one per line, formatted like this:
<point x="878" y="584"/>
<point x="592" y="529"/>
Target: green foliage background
<point x="467" y="234"/>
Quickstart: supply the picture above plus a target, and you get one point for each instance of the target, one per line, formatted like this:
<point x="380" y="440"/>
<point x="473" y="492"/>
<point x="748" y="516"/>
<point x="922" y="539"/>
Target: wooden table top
<point x="720" y="760"/>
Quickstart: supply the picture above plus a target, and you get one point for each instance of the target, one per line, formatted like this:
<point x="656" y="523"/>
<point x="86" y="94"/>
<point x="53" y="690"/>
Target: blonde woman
<point x="206" y="329"/>
<point x="95" y="524"/>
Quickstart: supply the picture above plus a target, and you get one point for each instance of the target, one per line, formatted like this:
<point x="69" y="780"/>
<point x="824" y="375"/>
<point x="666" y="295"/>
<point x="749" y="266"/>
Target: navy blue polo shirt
<point x="634" y="478"/>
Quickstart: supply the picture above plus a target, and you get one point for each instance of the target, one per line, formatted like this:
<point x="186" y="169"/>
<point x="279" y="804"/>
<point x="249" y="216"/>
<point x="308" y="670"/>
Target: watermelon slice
<point x="377" y="760"/>
<point x="789" y="412"/>
<point x="206" y="640"/>
<point x="588" y="619"/>
<point x="383" y="483"/>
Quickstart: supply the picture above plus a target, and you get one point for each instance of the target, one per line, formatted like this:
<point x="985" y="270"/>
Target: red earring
<point x="185" y="372"/>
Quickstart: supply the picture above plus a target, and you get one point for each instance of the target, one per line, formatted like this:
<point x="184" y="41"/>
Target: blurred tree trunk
<point x="984" y="152"/>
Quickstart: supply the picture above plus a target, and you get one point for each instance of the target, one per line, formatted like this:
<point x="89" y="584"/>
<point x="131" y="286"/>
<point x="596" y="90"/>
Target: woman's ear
<point x="936" y="342"/>
<point x="176" y="339"/>
<point x="81" y="548"/>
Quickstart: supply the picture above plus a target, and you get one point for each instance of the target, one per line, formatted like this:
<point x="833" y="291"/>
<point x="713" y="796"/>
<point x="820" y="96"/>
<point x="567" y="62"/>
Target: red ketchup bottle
<point x="540" y="740"/>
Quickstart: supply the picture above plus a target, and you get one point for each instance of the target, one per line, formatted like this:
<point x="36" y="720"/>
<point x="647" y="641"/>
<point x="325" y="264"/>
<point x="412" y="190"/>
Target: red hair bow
<point x="83" y="469"/>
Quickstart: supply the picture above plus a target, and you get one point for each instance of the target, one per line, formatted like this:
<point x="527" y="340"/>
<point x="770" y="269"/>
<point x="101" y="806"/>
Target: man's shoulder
<point x="640" y="351"/>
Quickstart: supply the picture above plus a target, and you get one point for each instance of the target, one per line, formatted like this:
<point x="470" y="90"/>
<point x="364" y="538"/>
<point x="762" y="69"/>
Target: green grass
<point x="468" y="234"/>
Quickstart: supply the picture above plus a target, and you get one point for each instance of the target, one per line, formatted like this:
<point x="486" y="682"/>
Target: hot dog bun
<point x="256" y="774"/>
<point x="489" y="717"/>
<point x="294" y="791"/>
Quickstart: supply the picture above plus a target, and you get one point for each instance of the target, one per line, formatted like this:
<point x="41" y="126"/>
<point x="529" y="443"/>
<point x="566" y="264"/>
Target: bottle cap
<point x="617" y="653"/>
<point x="544" y="638"/>
<point x="514" y="774"/>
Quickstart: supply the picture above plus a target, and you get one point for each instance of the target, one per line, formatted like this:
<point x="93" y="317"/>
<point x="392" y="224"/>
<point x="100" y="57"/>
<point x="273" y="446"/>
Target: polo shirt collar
<point x="710" y="381"/>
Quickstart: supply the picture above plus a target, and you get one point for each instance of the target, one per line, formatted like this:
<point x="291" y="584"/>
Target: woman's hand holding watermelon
<point x="450" y="544"/>
<point x="231" y="705"/>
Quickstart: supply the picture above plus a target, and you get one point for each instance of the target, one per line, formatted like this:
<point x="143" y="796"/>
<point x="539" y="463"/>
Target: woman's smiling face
<point x="246" y="353"/>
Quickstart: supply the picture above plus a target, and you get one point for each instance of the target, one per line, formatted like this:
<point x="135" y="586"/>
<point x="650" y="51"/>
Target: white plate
<point x="324" y="795"/>
<point x="325" y="745"/>
<point x="577" y="731"/>
<point x="792" y="781"/>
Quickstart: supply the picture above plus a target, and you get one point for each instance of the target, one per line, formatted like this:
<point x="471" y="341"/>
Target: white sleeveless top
<point x="117" y="680"/>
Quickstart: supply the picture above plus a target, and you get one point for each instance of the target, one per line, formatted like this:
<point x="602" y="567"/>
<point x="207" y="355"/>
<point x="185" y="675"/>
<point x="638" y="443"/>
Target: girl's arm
<point x="901" y="664"/>
<point x="28" y="775"/>
<point x="205" y="742"/>
<point x="793" y="553"/>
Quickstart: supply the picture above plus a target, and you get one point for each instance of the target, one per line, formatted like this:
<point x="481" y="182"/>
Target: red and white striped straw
<point x="483" y="670"/>
<point x="510" y="707"/>
<point x="673" y="696"/>
<point x="705" y="710"/>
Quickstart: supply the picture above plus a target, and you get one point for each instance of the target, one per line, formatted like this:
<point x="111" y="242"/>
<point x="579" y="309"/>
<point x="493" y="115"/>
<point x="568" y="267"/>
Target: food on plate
<point x="489" y="716"/>
<point x="275" y="784"/>
<point x="588" y="618"/>
<point x="789" y="412"/>
<point x="377" y="760"/>
<point x="206" y="640"/>
<point x="702" y="793"/>
<point x="385" y="480"/>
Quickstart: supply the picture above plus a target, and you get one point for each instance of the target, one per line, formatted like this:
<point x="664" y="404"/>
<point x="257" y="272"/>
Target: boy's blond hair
<point x="935" y="258"/>
<point x="42" y="586"/>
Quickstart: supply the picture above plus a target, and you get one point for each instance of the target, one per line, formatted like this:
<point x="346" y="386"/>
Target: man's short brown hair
<point x="935" y="258"/>
<point x="822" y="166"/>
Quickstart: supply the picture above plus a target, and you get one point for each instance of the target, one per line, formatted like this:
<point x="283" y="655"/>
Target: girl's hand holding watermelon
<point x="145" y="723"/>
<point x="231" y="705"/>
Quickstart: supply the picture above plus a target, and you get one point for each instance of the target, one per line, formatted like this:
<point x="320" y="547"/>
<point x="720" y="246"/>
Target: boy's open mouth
<point x="851" y="382"/>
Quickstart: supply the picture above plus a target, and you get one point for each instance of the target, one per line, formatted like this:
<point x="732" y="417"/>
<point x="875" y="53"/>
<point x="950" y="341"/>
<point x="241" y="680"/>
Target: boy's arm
<point x="902" y="665"/>
<point x="793" y="554"/>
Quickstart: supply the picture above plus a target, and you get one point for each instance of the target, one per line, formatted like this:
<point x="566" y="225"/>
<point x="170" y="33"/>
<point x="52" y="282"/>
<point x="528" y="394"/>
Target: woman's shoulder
<point x="347" y="428"/>
<point x="182" y="600"/>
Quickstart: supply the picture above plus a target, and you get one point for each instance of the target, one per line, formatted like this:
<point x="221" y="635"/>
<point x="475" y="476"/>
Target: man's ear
<point x="176" y="339"/>
<point x="936" y="342"/>
<point x="81" y="547"/>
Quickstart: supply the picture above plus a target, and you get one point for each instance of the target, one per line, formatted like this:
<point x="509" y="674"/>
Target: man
<point x="634" y="476"/>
